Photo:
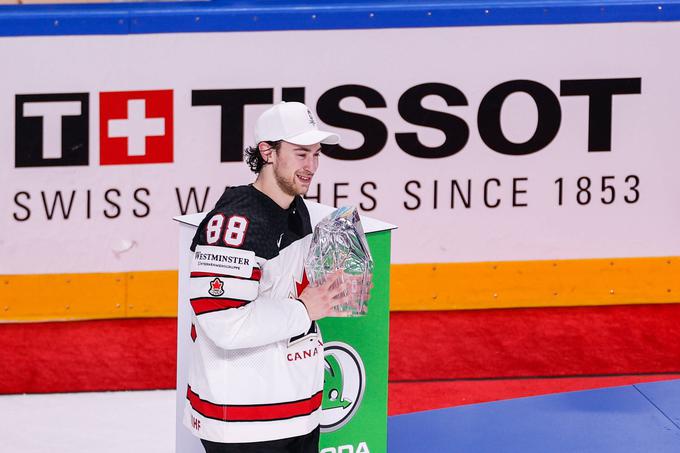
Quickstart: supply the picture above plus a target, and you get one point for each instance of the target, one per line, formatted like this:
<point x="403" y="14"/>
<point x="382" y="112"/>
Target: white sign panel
<point x="480" y="143"/>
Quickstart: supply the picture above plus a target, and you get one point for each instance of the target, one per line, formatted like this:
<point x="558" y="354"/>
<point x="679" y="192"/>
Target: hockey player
<point x="256" y="374"/>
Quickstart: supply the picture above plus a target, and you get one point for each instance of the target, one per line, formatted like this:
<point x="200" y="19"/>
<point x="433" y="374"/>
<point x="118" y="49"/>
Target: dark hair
<point x="254" y="157"/>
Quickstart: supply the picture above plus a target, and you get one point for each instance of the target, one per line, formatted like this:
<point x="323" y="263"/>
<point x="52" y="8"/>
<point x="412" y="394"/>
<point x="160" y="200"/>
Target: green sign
<point x="354" y="418"/>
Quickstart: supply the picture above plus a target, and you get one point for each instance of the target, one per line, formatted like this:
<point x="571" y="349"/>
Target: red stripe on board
<point x="204" y="305"/>
<point x="535" y="342"/>
<point x="83" y="356"/>
<point x="255" y="413"/>
<point x="256" y="275"/>
<point x="137" y="354"/>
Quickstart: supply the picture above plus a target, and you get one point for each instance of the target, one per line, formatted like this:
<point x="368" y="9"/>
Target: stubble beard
<point x="287" y="185"/>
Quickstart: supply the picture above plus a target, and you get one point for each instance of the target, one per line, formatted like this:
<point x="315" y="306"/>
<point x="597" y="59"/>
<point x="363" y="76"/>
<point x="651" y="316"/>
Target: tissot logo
<point x="51" y="130"/>
<point x="135" y="127"/>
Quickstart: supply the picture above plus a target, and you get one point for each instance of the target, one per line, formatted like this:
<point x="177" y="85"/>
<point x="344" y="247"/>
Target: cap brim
<point x="312" y="137"/>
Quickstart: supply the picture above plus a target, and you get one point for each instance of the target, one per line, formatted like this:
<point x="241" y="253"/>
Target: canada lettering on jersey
<point x="301" y="355"/>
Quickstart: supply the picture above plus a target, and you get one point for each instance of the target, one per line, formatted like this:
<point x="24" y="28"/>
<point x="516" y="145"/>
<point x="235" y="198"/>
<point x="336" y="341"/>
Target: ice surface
<point x="103" y="422"/>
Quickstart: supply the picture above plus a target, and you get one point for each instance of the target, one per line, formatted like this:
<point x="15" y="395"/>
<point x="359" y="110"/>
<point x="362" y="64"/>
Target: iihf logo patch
<point x="216" y="287"/>
<point x="312" y="121"/>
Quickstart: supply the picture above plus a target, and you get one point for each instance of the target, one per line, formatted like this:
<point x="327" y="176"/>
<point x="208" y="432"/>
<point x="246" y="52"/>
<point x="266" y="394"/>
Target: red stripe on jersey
<point x="256" y="275"/>
<point x="193" y="333"/>
<point x="202" y="305"/>
<point x="254" y="413"/>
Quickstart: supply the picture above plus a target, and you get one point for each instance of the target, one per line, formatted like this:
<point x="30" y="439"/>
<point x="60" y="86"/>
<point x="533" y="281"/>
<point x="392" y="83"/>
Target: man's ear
<point x="266" y="151"/>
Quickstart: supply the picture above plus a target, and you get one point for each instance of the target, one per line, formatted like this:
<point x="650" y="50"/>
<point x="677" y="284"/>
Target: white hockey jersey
<point x="256" y="368"/>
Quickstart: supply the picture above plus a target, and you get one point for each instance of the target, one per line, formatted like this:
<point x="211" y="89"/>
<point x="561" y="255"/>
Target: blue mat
<point x="665" y="396"/>
<point x="643" y="418"/>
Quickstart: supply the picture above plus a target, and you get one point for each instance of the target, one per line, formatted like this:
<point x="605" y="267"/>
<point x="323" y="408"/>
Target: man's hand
<point x="321" y="301"/>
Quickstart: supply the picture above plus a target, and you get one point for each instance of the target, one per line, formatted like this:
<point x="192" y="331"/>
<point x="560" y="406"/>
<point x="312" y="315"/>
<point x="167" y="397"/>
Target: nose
<point x="311" y="163"/>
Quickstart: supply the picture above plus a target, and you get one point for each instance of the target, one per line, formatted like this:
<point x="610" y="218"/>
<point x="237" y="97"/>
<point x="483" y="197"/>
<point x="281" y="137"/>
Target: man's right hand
<point x="321" y="301"/>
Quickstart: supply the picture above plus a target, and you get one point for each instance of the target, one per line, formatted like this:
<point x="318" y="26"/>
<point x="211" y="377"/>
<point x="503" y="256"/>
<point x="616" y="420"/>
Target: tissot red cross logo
<point x="135" y="127"/>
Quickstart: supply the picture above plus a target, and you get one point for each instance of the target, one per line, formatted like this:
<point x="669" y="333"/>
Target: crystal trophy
<point x="338" y="243"/>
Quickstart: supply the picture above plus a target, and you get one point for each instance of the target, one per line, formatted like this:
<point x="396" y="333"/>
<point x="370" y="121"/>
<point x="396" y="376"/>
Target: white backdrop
<point x="645" y="132"/>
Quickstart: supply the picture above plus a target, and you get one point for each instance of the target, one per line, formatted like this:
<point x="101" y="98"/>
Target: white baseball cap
<point x="292" y="122"/>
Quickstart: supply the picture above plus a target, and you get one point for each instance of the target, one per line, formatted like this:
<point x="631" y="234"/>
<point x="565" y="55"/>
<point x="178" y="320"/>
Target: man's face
<point x="294" y="166"/>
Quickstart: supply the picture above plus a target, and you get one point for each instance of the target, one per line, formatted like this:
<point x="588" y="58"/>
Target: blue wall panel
<point x="228" y="15"/>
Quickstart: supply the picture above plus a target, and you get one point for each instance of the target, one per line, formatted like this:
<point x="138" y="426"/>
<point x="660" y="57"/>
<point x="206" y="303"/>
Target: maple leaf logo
<point x="216" y="287"/>
<point x="300" y="286"/>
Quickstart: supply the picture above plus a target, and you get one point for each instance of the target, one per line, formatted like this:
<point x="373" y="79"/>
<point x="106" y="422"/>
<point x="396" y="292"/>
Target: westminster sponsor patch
<point x="223" y="260"/>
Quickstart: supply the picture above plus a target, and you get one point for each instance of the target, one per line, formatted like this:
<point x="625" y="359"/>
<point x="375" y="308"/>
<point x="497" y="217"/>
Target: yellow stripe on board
<point x="550" y="283"/>
<point x="415" y="287"/>
<point x="50" y="297"/>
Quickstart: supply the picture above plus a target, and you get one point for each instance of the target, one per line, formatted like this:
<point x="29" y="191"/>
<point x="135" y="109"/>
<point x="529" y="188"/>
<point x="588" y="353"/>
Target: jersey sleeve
<point x="225" y="290"/>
